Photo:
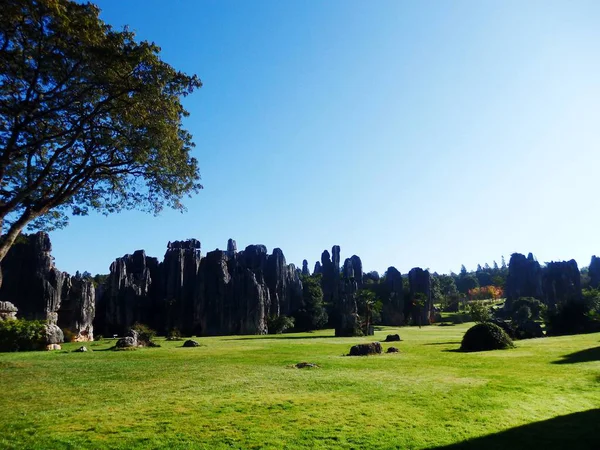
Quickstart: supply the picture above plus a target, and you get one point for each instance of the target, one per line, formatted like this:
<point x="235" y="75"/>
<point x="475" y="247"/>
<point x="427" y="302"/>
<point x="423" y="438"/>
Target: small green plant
<point x="20" y="335"/>
<point x="523" y="314"/>
<point x="536" y="307"/>
<point x="278" y="325"/>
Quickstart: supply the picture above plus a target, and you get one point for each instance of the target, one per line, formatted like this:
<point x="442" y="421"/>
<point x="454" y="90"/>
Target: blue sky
<point x="428" y="134"/>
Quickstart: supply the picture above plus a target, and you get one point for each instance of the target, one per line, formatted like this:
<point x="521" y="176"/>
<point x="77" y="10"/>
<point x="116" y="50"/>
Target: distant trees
<point x="312" y="315"/>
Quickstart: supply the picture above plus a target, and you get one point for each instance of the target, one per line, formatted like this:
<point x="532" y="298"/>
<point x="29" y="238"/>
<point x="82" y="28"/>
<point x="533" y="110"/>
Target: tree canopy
<point x="90" y="119"/>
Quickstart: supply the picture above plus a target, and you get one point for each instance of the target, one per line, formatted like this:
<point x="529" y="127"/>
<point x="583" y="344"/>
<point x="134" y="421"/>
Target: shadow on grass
<point x="576" y="431"/>
<point x="443" y="343"/>
<point x="276" y="336"/>
<point x="589" y="354"/>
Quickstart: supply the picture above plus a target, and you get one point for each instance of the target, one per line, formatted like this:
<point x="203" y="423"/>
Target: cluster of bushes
<point x="22" y="335"/>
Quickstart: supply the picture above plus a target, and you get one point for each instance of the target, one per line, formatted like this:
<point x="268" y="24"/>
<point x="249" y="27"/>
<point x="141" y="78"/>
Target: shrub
<point x="571" y="318"/>
<point x="20" y="335"/>
<point x="279" y="324"/>
<point x="523" y="314"/>
<point x="479" y="312"/>
<point x="485" y="336"/>
<point x="537" y="308"/>
<point x="145" y="334"/>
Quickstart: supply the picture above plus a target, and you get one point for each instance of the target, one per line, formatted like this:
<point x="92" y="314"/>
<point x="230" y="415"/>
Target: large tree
<point x="90" y="119"/>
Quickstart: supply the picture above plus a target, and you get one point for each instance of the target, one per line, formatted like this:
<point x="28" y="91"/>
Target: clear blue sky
<point x="421" y="133"/>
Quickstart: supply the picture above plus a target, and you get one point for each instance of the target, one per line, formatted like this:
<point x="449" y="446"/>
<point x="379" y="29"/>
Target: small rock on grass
<point x="306" y="365"/>
<point x="392" y="350"/>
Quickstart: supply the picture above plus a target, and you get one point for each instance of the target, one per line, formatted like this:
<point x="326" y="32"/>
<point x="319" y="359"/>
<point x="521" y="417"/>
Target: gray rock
<point x="191" y="343"/>
<point x="8" y="311"/>
<point x="392" y="350"/>
<point x="392" y="338"/>
<point x="81" y="349"/>
<point x="393" y="312"/>
<point x="305" y="270"/>
<point x="53" y="334"/>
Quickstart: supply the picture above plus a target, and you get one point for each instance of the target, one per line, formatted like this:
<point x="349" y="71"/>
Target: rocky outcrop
<point x="30" y="280"/>
<point x="419" y="282"/>
<point x="78" y="308"/>
<point x="285" y="286"/>
<point x="8" y="311"/>
<point x="349" y="322"/>
<point x="524" y="279"/>
<point x="305" y="271"/>
<point x="133" y="293"/>
<point x="318" y="269"/>
<point x="393" y="312"/>
<point x="232" y="294"/>
<point x="594" y="271"/>
<point x="231" y="248"/>
<point x="179" y="273"/>
<point x="561" y="283"/>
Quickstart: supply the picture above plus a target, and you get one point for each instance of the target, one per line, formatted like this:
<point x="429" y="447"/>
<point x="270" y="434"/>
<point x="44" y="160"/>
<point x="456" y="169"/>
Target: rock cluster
<point x="225" y="292"/>
<point x="524" y="278"/>
<point x="555" y="284"/>
<point x="42" y="292"/>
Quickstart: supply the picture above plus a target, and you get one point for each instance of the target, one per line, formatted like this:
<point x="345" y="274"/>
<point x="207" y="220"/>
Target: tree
<point x="90" y="119"/>
<point x="312" y="315"/>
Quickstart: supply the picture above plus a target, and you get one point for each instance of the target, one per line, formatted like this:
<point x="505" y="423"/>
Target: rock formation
<point x="594" y="271"/>
<point x="179" y="273"/>
<point x="30" y="280"/>
<point x="561" y="282"/>
<point x="419" y="282"/>
<point x="318" y="268"/>
<point x="226" y="292"/>
<point x="78" y="308"/>
<point x="524" y="279"/>
<point x="133" y="293"/>
<point x="393" y="312"/>
<point x="8" y="311"/>
<point x="305" y="271"/>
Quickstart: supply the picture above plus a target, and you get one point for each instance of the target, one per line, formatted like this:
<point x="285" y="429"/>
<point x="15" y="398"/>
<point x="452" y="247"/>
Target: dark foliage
<point x="22" y="335"/>
<point x="278" y="325"/>
<point x="312" y="315"/>
<point x="372" y="348"/>
<point x="571" y="318"/>
<point x="485" y="336"/>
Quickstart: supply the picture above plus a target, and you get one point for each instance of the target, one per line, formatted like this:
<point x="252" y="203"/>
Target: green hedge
<point x="21" y="335"/>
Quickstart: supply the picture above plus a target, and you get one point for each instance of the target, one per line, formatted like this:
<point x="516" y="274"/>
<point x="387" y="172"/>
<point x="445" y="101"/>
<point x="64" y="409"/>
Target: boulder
<point x="372" y="348"/>
<point x="53" y="334"/>
<point x="50" y="347"/>
<point x="81" y="349"/>
<point x="130" y="340"/>
<point x="305" y="365"/>
<point x="191" y="343"/>
<point x="392" y="350"/>
<point x="8" y="311"/>
<point x="392" y="338"/>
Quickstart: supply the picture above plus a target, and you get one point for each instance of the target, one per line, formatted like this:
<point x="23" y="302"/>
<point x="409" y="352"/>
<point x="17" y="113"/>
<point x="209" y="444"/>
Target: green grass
<point x="241" y="392"/>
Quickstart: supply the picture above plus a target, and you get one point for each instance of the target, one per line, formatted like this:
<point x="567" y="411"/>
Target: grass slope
<point x="241" y="392"/>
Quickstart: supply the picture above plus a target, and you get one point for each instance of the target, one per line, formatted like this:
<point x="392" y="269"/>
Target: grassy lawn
<point x="241" y="392"/>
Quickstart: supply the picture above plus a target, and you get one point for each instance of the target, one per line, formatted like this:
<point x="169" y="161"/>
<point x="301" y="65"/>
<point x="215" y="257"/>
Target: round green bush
<point x="485" y="336"/>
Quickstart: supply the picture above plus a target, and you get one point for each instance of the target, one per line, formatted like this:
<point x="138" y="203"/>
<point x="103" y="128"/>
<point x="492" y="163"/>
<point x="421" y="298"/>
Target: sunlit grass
<point x="242" y="392"/>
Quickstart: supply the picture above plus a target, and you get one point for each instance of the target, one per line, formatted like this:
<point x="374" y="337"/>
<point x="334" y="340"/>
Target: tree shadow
<point x="277" y="336"/>
<point x="589" y="354"/>
<point x="577" y="431"/>
<point x="443" y="343"/>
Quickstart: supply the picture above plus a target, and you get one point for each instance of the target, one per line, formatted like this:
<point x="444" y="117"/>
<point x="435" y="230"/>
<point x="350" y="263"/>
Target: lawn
<point x="242" y="392"/>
